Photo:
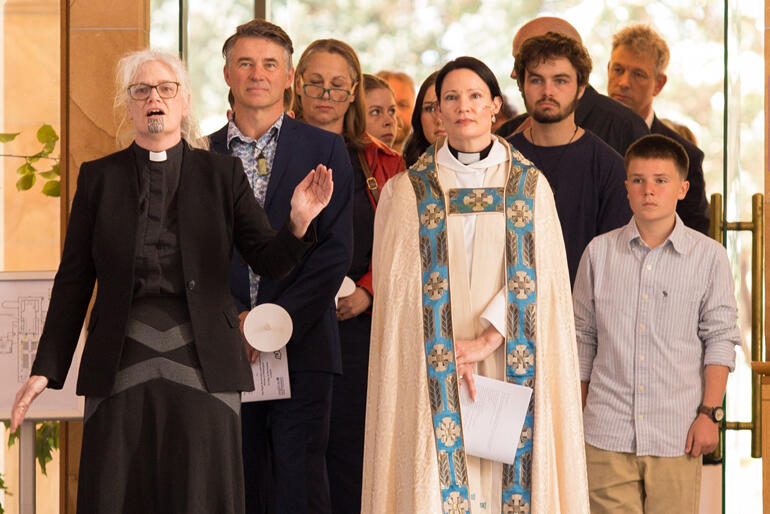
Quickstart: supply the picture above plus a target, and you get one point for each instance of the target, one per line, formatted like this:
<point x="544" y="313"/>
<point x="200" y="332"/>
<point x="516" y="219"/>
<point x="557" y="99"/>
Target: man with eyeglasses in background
<point x="284" y="441"/>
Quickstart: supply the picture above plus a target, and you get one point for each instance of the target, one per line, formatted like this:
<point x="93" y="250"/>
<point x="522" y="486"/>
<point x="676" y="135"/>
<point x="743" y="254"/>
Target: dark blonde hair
<point x="354" y="126"/>
<point x="643" y="40"/>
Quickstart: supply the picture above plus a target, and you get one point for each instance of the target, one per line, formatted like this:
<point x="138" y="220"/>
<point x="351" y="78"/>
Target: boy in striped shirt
<point x="656" y="323"/>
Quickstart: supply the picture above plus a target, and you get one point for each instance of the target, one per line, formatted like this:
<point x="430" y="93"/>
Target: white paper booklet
<point x="492" y="424"/>
<point x="271" y="377"/>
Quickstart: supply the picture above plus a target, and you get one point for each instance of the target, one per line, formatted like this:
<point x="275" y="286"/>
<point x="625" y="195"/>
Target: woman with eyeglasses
<point x="163" y="364"/>
<point x="329" y="93"/>
<point x="426" y="123"/>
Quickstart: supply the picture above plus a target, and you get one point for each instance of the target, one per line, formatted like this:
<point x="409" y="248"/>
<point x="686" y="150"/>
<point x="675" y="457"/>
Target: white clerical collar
<point x="157" y="156"/>
<point x="468" y="158"/>
<point x="496" y="155"/>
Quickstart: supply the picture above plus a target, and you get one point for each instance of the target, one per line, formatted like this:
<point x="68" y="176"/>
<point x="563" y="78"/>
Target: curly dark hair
<point x="552" y="44"/>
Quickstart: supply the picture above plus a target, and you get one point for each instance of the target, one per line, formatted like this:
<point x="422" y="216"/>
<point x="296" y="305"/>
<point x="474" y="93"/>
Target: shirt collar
<point x="234" y="132"/>
<point x="678" y="239"/>
<point x="650" y="118"/>
<point x="496" y="155"/>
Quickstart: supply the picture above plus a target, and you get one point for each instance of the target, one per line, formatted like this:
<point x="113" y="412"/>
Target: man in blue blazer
<point x="284" y="441"/>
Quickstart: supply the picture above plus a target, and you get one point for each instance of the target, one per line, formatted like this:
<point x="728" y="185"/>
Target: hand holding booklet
<point x="268" y="327"/>
<point x="492" y="424"/>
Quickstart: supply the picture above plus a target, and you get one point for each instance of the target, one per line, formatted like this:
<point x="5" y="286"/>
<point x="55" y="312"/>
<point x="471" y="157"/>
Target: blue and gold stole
<point x="517" y="200"/>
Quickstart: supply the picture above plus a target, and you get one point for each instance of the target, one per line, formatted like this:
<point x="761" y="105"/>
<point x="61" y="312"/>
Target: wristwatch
<point x="717" y="414"/>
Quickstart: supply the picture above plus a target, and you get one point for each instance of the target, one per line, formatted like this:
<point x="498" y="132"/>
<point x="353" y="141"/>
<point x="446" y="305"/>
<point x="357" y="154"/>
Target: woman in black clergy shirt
<point x="163" y="364"/>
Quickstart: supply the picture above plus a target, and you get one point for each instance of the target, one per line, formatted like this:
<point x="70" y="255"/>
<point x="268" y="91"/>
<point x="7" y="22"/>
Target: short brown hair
<point x="551" y="44"/>
<point x="354" y="126"/>
<point x="642" y="39"/>
<point x="372" y="82"/>
<point x="657" y="146"/>
<point x="259" y="28"/>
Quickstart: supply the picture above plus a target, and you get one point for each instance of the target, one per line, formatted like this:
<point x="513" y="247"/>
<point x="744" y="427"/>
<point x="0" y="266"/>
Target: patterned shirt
<point x="250" y="150"/>
<point x="647" y="322"/>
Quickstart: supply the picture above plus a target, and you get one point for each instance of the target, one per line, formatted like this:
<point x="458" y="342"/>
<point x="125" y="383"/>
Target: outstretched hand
<point x="309" y="198"/>
<point x="28" y="392"/>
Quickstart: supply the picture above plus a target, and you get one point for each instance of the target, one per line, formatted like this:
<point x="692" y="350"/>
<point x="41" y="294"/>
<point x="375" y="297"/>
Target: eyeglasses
<point x="336" y="94"/>
<point x="142" y="91"/>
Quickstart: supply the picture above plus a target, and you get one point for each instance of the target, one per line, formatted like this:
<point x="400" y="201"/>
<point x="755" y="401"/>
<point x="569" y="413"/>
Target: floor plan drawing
<point x="25" y="297"/>
<point x="21" y="323"/>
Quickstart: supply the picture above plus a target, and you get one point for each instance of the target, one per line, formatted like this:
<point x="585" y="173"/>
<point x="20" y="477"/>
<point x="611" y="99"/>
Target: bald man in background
<point x="613" y="122"/>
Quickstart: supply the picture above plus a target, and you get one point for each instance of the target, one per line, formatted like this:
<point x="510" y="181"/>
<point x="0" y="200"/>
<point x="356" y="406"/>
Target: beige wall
<point x="31" y="80"/>
<point x="30" y="221"/>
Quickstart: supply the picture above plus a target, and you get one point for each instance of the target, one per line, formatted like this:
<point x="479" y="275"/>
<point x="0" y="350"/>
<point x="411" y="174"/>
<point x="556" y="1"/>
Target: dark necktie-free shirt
<point x="587" y="179"/>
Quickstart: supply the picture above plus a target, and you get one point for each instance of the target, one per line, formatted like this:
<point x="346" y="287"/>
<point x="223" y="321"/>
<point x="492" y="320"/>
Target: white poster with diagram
<point x="24" y="299"/>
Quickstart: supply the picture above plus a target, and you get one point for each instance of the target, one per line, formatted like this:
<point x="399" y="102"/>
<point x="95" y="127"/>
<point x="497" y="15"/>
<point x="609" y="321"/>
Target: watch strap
<point x="709" y="411"/>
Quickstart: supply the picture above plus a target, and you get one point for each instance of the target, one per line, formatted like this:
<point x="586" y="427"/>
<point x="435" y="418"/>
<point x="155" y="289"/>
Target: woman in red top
<point x="329" y="94"/>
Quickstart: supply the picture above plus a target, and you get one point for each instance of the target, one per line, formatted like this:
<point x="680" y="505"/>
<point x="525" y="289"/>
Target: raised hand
<point x="309" y="198"/>
<point x="28" y="392"/>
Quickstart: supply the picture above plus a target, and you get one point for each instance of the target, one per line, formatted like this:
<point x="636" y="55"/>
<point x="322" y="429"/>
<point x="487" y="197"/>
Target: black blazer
<point x="216" y="209"/>
<point x="308" y="292"/>
<point x="694" y="208"/>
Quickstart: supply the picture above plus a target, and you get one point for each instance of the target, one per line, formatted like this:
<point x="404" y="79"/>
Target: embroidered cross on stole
<point x="516" y="200"/>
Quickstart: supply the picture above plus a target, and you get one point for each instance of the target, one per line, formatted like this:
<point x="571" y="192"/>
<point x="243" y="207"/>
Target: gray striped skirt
<point x="160" y="442"/>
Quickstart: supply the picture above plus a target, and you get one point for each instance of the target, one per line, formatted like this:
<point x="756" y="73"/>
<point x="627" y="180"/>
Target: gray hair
<point x="127" y="68"/>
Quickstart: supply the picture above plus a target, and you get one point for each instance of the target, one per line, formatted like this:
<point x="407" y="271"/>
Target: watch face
<point x="718" y="414"/>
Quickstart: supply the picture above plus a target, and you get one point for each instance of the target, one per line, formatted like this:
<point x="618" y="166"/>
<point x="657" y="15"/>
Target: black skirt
<point x="160" y="442"/>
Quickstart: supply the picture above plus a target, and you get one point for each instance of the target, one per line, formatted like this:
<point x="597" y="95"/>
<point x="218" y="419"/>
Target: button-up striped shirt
<point x="648" y="321"/>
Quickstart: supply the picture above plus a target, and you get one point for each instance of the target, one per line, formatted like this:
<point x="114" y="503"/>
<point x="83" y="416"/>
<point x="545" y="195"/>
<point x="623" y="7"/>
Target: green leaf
<point x="8" y="136"/>
<point x="12" y="437"/>
<point x="50" y="175"/>
<point x="36" y="157"/>
<point x="46" y="134"/>
<point x="56" y="168"/>
<point x="52" y="188"/>
<point x="46" y="440"/>
<point x="26" y="182"/>
<point x="26" y="169"/>
<point x="4" y="488"/>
